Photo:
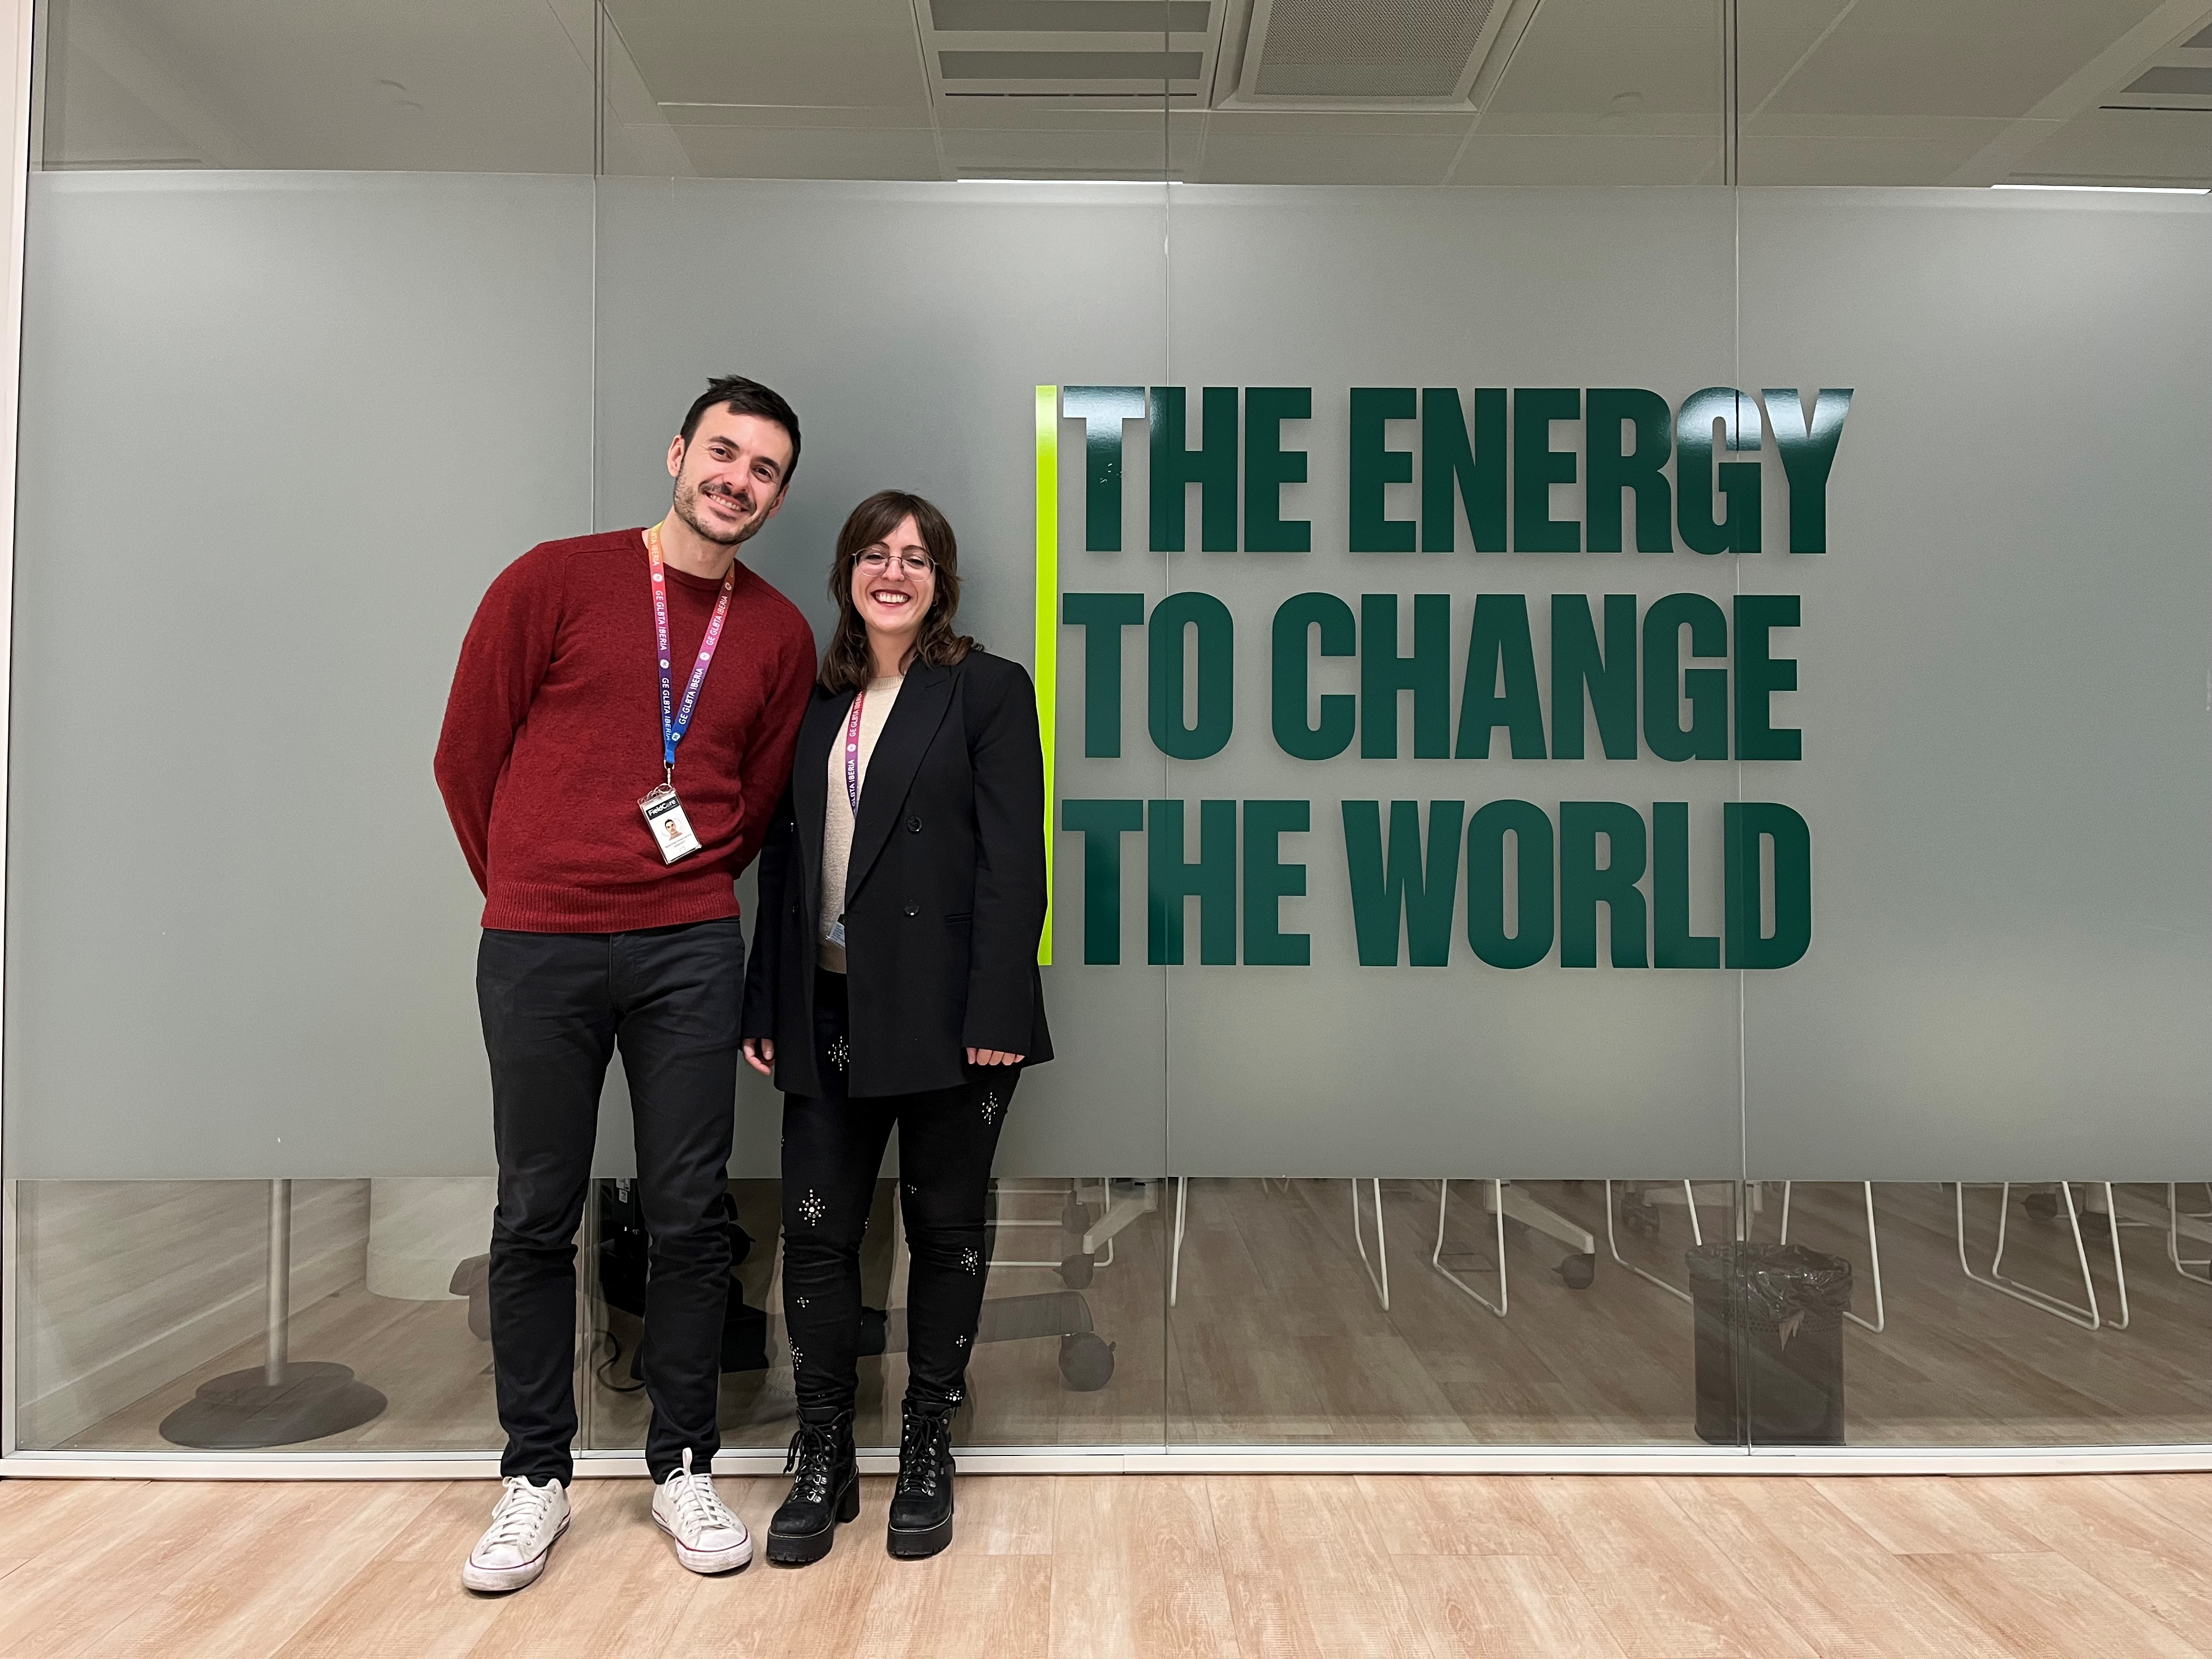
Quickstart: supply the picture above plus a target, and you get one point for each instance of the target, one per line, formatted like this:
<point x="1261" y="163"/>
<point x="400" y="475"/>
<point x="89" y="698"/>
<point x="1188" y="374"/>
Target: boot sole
<point x="913" y="1543"/>
<point x="786" y="1549"/>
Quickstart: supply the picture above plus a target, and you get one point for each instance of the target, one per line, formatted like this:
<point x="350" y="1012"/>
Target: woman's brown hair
<point x="847" y="665"/>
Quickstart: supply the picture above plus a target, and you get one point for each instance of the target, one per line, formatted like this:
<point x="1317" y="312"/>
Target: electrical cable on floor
<point x="600" y="1368"/>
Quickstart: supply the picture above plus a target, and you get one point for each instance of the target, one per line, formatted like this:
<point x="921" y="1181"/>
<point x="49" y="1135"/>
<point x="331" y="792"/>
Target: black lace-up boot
<point x="825" y="1489"/>
<point x="921" y="1504"/>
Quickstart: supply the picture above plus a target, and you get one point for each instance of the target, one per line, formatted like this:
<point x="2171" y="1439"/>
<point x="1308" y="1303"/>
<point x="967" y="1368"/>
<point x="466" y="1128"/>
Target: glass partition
<point x="1624" y="641"/>
<point x="311" y="291"/>
<point x="2003" y="669"/>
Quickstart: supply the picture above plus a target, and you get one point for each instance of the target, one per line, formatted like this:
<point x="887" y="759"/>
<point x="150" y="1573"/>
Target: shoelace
<point x="520" y="1512"/>
<point x="924" y="1443"/>
<point x="697" y="1505"/>
<point x="813" y="1450"/>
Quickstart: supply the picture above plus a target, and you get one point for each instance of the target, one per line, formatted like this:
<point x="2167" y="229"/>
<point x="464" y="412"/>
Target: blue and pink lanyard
<point x="852" y="753"/>
<point x="675" y="718"/>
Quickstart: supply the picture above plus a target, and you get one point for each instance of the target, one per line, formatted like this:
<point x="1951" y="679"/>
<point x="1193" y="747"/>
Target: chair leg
<point x="1174" y="1257"/>
<point x="2073" y="1313"/>
<point x="1382" y="1283"/>
<point x="1612" y="1244"/>
<point x="1874" y="1255"/>
<point x="1435" y="1256"/>
<point x="2182" y="1264"/>
<point x="2119" y="1266"/>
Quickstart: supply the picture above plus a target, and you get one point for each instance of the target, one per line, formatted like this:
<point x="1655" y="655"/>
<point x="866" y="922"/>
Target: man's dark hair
<point x="742" y="397"/>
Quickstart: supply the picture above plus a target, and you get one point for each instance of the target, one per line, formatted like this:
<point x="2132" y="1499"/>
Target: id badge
<point x="671" y="830"/>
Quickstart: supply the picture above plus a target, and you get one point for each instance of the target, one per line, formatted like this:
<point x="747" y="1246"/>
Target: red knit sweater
<point x="552" y="735"/>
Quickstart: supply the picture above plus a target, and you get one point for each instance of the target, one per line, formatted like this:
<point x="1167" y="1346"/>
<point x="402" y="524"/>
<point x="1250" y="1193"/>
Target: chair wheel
<point x="1638" y="1218"/>
<point x="2043" y="1206"/>
<point x="1086" y="1361"/>
<point x="1075" y="1271"/>
<point x="1580" y="1272"/>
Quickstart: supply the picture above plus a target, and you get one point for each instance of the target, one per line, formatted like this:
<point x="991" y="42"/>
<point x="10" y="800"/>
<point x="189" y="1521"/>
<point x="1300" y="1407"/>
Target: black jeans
<point x="555" y="1006"/>
<point x="833" y="1149"/>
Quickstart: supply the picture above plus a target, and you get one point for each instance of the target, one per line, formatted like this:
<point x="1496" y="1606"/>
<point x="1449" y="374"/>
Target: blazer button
<point x="913" y="910"/>
<point x="914" y="826"/>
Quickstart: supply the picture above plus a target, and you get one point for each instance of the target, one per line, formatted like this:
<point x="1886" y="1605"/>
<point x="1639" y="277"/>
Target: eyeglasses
<point x="876" y="562"/>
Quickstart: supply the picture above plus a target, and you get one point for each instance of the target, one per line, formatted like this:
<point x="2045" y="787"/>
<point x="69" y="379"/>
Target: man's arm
<point x="758" y="1013"/>
<point x="765" y="761"/>
<point x="503" y="658"/>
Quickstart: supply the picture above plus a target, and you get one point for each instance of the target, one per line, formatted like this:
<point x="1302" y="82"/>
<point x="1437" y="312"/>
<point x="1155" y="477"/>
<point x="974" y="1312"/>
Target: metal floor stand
<point x="284" y="1401"/>
<point x="1505" y="1199"/>
<point x="1874" y="1255"/>
<point x="2088" y="1318"/>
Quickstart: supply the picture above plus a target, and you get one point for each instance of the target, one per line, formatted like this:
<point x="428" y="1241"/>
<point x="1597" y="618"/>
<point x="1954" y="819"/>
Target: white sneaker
<point x="523" y="1528"/>
<point x="708" y="1538"/>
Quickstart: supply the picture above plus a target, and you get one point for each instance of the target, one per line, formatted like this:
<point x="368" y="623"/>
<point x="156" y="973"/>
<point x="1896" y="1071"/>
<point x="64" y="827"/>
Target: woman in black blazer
<point x="894" y="982"/>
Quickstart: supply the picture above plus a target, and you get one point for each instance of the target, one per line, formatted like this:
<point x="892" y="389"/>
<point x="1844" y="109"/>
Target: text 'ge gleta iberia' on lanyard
<point x="664" y="813"/>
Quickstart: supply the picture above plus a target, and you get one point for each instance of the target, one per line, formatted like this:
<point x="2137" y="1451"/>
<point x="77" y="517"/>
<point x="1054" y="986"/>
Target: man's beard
<point x="687" y="509"/>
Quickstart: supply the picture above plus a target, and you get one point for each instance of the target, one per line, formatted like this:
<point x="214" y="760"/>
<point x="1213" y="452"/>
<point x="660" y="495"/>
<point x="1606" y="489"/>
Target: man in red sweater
<point x="607" y="789"/>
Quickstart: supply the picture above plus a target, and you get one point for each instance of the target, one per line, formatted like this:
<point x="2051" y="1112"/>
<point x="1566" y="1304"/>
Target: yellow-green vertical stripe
<point x="1048" y="623"/>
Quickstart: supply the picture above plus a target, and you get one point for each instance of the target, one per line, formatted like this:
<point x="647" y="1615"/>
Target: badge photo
<point x="671" y="830"/>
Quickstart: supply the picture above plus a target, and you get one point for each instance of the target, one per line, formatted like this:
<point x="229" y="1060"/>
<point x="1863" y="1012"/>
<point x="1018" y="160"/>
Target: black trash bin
<point x="1770" y="1344"/>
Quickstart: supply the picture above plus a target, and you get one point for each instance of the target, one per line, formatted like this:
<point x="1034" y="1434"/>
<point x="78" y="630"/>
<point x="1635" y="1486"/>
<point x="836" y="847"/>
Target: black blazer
<point x="945" y="894"/>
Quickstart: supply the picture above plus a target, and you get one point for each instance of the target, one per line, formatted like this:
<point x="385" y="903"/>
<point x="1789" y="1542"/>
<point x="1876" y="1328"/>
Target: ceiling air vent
<point x="1110" y="51"/>
<point x="2175" y="81"/>
<point x="1422" y="54"/>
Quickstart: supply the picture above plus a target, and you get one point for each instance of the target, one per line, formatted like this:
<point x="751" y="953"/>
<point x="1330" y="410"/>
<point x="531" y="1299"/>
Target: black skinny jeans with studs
<point x="833" y="1151"/>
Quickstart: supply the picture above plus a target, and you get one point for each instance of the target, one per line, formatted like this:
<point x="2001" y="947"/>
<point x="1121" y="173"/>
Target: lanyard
<point x="676" y="721"/>
<point x="852" y="753"/>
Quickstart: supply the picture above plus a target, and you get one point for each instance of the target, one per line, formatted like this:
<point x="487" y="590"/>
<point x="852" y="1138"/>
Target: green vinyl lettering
<point x="1608" y="674"/>
<point x="1500" y="688"/>
<point x="1384" y="674"/>
<point x="1291" y="683"/>
<point x="1405" y="883"/>
<point x="1531" y="830"/>
<point x="1171" y="881"/>
<point x="1375" y="466"/>
<point x="1211" y="466"/>
<point x="1454" y="471"/>
<point x="1102" y="616"/>
<point x="1102" y="823"/>
<point x="1584" y="883"/>
<point x="1268" y="881"/>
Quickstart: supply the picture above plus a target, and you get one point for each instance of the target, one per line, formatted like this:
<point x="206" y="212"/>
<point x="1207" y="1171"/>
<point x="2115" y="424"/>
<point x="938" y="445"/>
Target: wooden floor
<point x="1278" y="1337"/>
<point x="1092" y="1567"/>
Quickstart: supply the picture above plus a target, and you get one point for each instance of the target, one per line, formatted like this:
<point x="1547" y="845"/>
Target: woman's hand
<point x="991" y="1057"/>
<point x="760" y="1054"/>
